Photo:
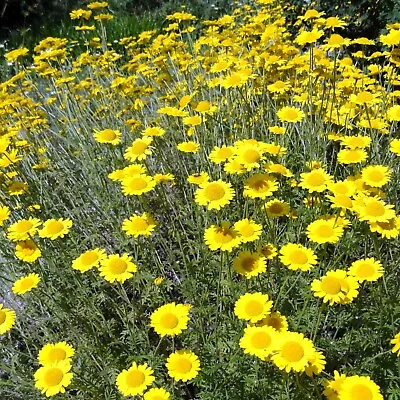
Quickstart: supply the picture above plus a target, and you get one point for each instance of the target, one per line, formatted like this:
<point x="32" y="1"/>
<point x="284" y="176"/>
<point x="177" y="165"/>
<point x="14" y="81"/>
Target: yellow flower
<point x="109" y="136"/>
<point x="193" y="120"/>
<point x="324" y="231"/>
<point x="248" y="230"/>
<point x="117" y="268"/>
<point x="26" y="283"/>
<point x="188" y="147"/>
<point x="221" y="154"/>
<point x="367" y="269"/>
<point x="139" y="149"/>
<point x="23" y="229"/>
<point x="7" y="319"/>
<point x="222" y="237"/>
<point x="13" y="55"/>
<point x="376" y="175"/>
<point x="359" y="388"/>
<point x="276" y="208"/>
<point x="335" y="287"/>
<point x="153" y="131"/>
<point x="54" y="378"/>
<point x="290" y="114"/>
<point x="135" y="380"/>
<point x="54" y="352"/>
<point x="351" y="156"/>
<point x="373" y="209"/>
<point x="315" y="181"/>
<point x="297" y="257"/>
<point x="249" y="264"/>
<point x="157" y="394"/>
<point x="88" y="260"/>
<point x="27" y="251"/>
<point x="139" y="225"/>
<point x="307" y="37"/>
<point x="253" y="307"/>
<point x="259" y="341"/>
<point x="170" y="319"/>
<point x="214" y="195"/>
<point x="293" y="352"/>
<point x="395" y="146"/>
<point x="260" y="186"/>
<point x="393" y="113"/>
<point x="183" y="365"/>
<point x="198" y="179"/>
<point x="275" y="320"/>
<point x="396" y="342"/>
<point x="53" y="228"/>
<point x="137" y="185"/>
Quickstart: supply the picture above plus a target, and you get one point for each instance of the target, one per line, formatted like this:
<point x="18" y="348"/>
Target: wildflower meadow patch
<point x="205" y="211"/>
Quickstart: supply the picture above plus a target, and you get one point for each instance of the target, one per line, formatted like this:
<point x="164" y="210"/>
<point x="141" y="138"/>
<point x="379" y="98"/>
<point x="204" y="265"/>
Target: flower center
<point x="3" y="316"/>
<point x="316" y="179"/>
<point x="89" y="258"/>
<point x="298" y="257"/>
<point x="361" y="392"/>
<point x="108" y="134"/>
<point x="260" y="340"/>
<point x="292" y="351"/>
<point x="118" y="266"/>
<point x="54" y="227"/>
<point x="184" y="366"/>
<point x="169" y="321"/>
<point x="330" y="285"/>
<point x="58" y="354"/>
<point x="251" y="156"/>
<point x="224" y="236"/>
<point x="214" y="191"/>
<point x="249" y="264"/>
<point x="23" y="226"/>
<point x="325" y="231"/>
<point x="26" y="283"/>
<point x="254" y="308"/>
<point x="365" y="270"/>
<point x="375" y="209"/>
<point x="139" y="147"/>
<point x="53" y="377"/>
<point x="376" y="176"/>
<point x="138" y="184"/>
<point x="135" y="378"/>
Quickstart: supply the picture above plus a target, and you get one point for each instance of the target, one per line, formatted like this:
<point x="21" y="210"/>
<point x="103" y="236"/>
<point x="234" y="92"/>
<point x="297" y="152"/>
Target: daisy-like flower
<point x="135" y="380"/>
<point x="276" y="208"/>
<point x="89" y="259"/>
<point x="188" y="147"/>
<point x="139" y="149"/>
<point x="389" y="229"/>
<point x="275" y="320"/>
<point x="336" y="287"/>
<point x="27" y="250"/>
<point x="260" y="186"/>
<point x="359" y="388"/>
<point x="249" y="264"/>
<point x="248" y="229"/>
<point x="268" y="250"/>
<point x="215" y="194"/>
<point x="138" y="225"/>
<point x="220" y="154"/>
<point x="7" y="319"/>
<point x="117" y="268"/>
<point x="290" y="114"/>
<point x="183" y="365"/>
<point x="55" y="228"/>
<point x="108" y="136"/>
<point x="351" y="156"/>
<point x="315" y="181"/>
<point x="222" y="237"/>
<point x="367" y="269"/>
<point x="54" y="378"/>
<point x="376" y="175"/>
<point x="324" y="231"/>
<point x="137" y="185"/>
<point x="54" y="352"/>
<point x="153" y="131"/>
<point x="253" y="306"/>
<point x="23" y="229"/>
<point x="157" y="394"/>
<point x="297" y="257"/>
<point x="170" y="319"/>
<point x="26" y="283"/>
<point x="249" y="155"/>
<point x="294" y="352"/>
<point x="193" y="120"/>
<point x="395" y="146"/>
<point x="373" y="209"/>
<point x="316" y="364"/>
<point x="356" y="142"/>
<point x="198" y="179"/>
<point x="394" y="112"/>
<point x="259" y="341"/>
